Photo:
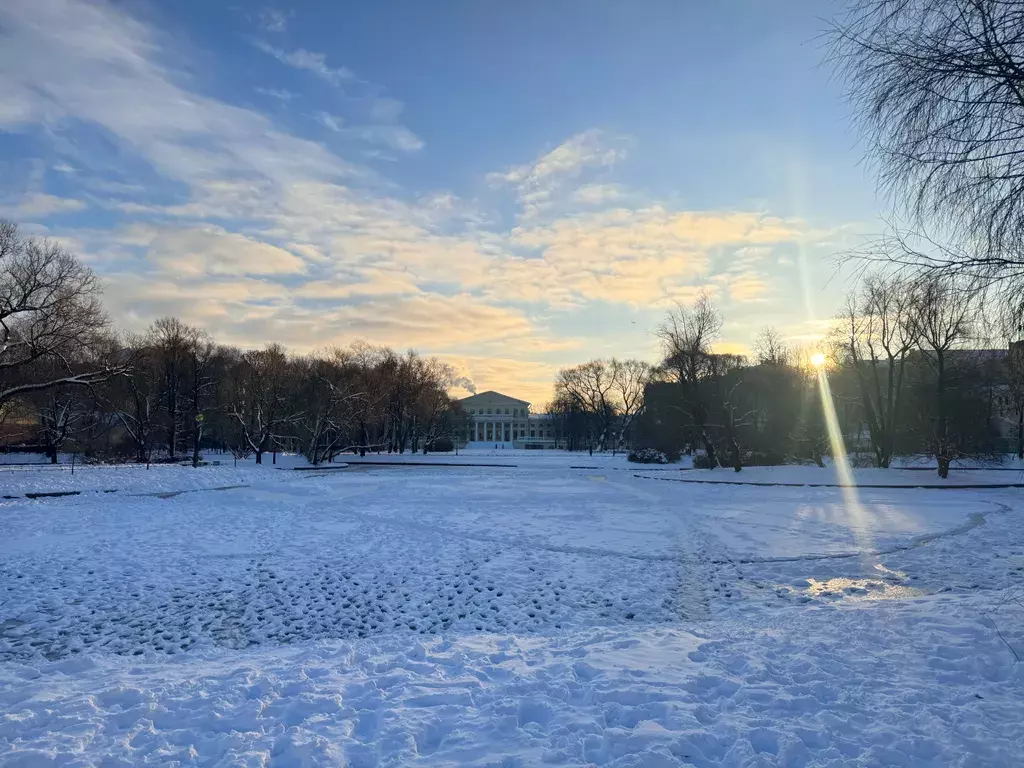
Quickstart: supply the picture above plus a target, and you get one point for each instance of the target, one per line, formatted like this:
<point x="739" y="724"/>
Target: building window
<point x="533" y="433"/>
<point x="506" y="411"/>
<point x="488" y="410"/>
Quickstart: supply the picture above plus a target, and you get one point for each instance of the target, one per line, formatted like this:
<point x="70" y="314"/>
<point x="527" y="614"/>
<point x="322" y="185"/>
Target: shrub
<point x="702" y="461"/>
<point x="648" y="456"/>
<point x="767" y="458"/>
<point x="441" y="445"/>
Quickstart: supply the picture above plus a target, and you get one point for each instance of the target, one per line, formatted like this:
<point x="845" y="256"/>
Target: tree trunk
<point x="941" y="427"/>
<point x="172" y="433"/>
<point x="259" y="456"/>
<point x="196" y="440"/>
<point x="709" y="449"/>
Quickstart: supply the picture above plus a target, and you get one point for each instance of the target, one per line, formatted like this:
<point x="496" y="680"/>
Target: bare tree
<point x="202" y="361"/>
<point x="171" y="340"/>
<point x="591" y="386"/>
<point x="733" y="421"/>
<point x="569" y="422"/>
<point x="687" y="335"/>
<point x="402" y="373"/>
<point x="60" y="413"/>
<point x="940" y="318"/>
<point x="371" y="367"/>
<point x="629" y="383"/>
<point x="136" y="394"/>
<point x="938" y="86"/>
<point x="328" y="392"/>
<point x="261" y="398"/>
<point x="770" y="348"/>
<point x="433" y="408"/>
<point x="49" y="312"/>
<point x="1016" y="364"/>
<point x="875" y="333"/>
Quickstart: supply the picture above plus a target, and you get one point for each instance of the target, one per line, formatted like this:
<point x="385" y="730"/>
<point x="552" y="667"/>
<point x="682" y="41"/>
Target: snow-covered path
<point x="507" y="617"/>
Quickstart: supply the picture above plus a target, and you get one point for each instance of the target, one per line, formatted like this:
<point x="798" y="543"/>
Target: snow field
<point x="872" y="689"/>
<point x="250" y="566"/>
<point x="514" y="617"/>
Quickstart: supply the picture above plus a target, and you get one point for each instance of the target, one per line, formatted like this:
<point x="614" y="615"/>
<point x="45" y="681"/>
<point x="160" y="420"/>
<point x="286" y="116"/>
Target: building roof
<point x="472" y="398"/>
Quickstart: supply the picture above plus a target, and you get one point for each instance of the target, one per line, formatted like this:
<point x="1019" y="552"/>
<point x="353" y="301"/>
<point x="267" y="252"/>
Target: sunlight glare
<point x="859" y="522"/>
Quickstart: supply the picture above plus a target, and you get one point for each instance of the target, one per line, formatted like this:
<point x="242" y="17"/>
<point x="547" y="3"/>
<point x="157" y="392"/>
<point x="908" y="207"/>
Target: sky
<point x="513" y="187"/>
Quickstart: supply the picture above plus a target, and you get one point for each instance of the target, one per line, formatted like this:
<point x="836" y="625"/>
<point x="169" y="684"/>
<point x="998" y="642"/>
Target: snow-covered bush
<point x="648" y="456"/>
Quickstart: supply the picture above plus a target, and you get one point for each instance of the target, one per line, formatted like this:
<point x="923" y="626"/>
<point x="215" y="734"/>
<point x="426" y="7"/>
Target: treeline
<point x="68" y="382"/>
<point x="900" y="373"/>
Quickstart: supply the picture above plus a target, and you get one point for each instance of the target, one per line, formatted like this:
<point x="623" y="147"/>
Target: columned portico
<point x="497" y="418"/>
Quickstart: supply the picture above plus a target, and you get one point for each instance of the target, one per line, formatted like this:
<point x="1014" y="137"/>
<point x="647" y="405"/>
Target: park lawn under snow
<point x="509" y="616"/>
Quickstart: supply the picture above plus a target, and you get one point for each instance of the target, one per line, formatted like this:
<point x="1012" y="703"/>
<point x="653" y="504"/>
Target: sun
<point x="818" y="360"/>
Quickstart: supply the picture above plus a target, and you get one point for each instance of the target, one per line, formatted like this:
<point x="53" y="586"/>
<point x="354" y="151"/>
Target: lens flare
<point x="858" y="520"/>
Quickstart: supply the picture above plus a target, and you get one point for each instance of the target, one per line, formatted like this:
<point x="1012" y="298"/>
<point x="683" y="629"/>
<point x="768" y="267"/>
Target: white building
<point x="507" y="421"/>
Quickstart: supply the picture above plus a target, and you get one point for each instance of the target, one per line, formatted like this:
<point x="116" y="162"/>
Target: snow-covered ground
<point x="510" y="616"/>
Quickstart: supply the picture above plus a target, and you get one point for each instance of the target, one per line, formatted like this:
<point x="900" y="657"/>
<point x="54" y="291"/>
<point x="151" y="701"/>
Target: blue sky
<point x="511" y="186"/>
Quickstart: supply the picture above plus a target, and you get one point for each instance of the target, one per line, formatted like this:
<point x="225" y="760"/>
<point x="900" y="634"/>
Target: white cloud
<point x="225" y="308"/>
<point x="212" y="251"/>
<point x="393" y="136"/>
<point x="588" y="148"/>
<point x="310" y="61"/>
<point x="330" y="121"/>
<point x="538" y="182"/>
<point x="639" y="257"/>
<point x="281" y="94"/>
<point x="38" y="204"/>
<point x="86" y="62"/>
<point x="596" y="194"/>
<point x="746" y="286"/>
<point x="368" y="282"/>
